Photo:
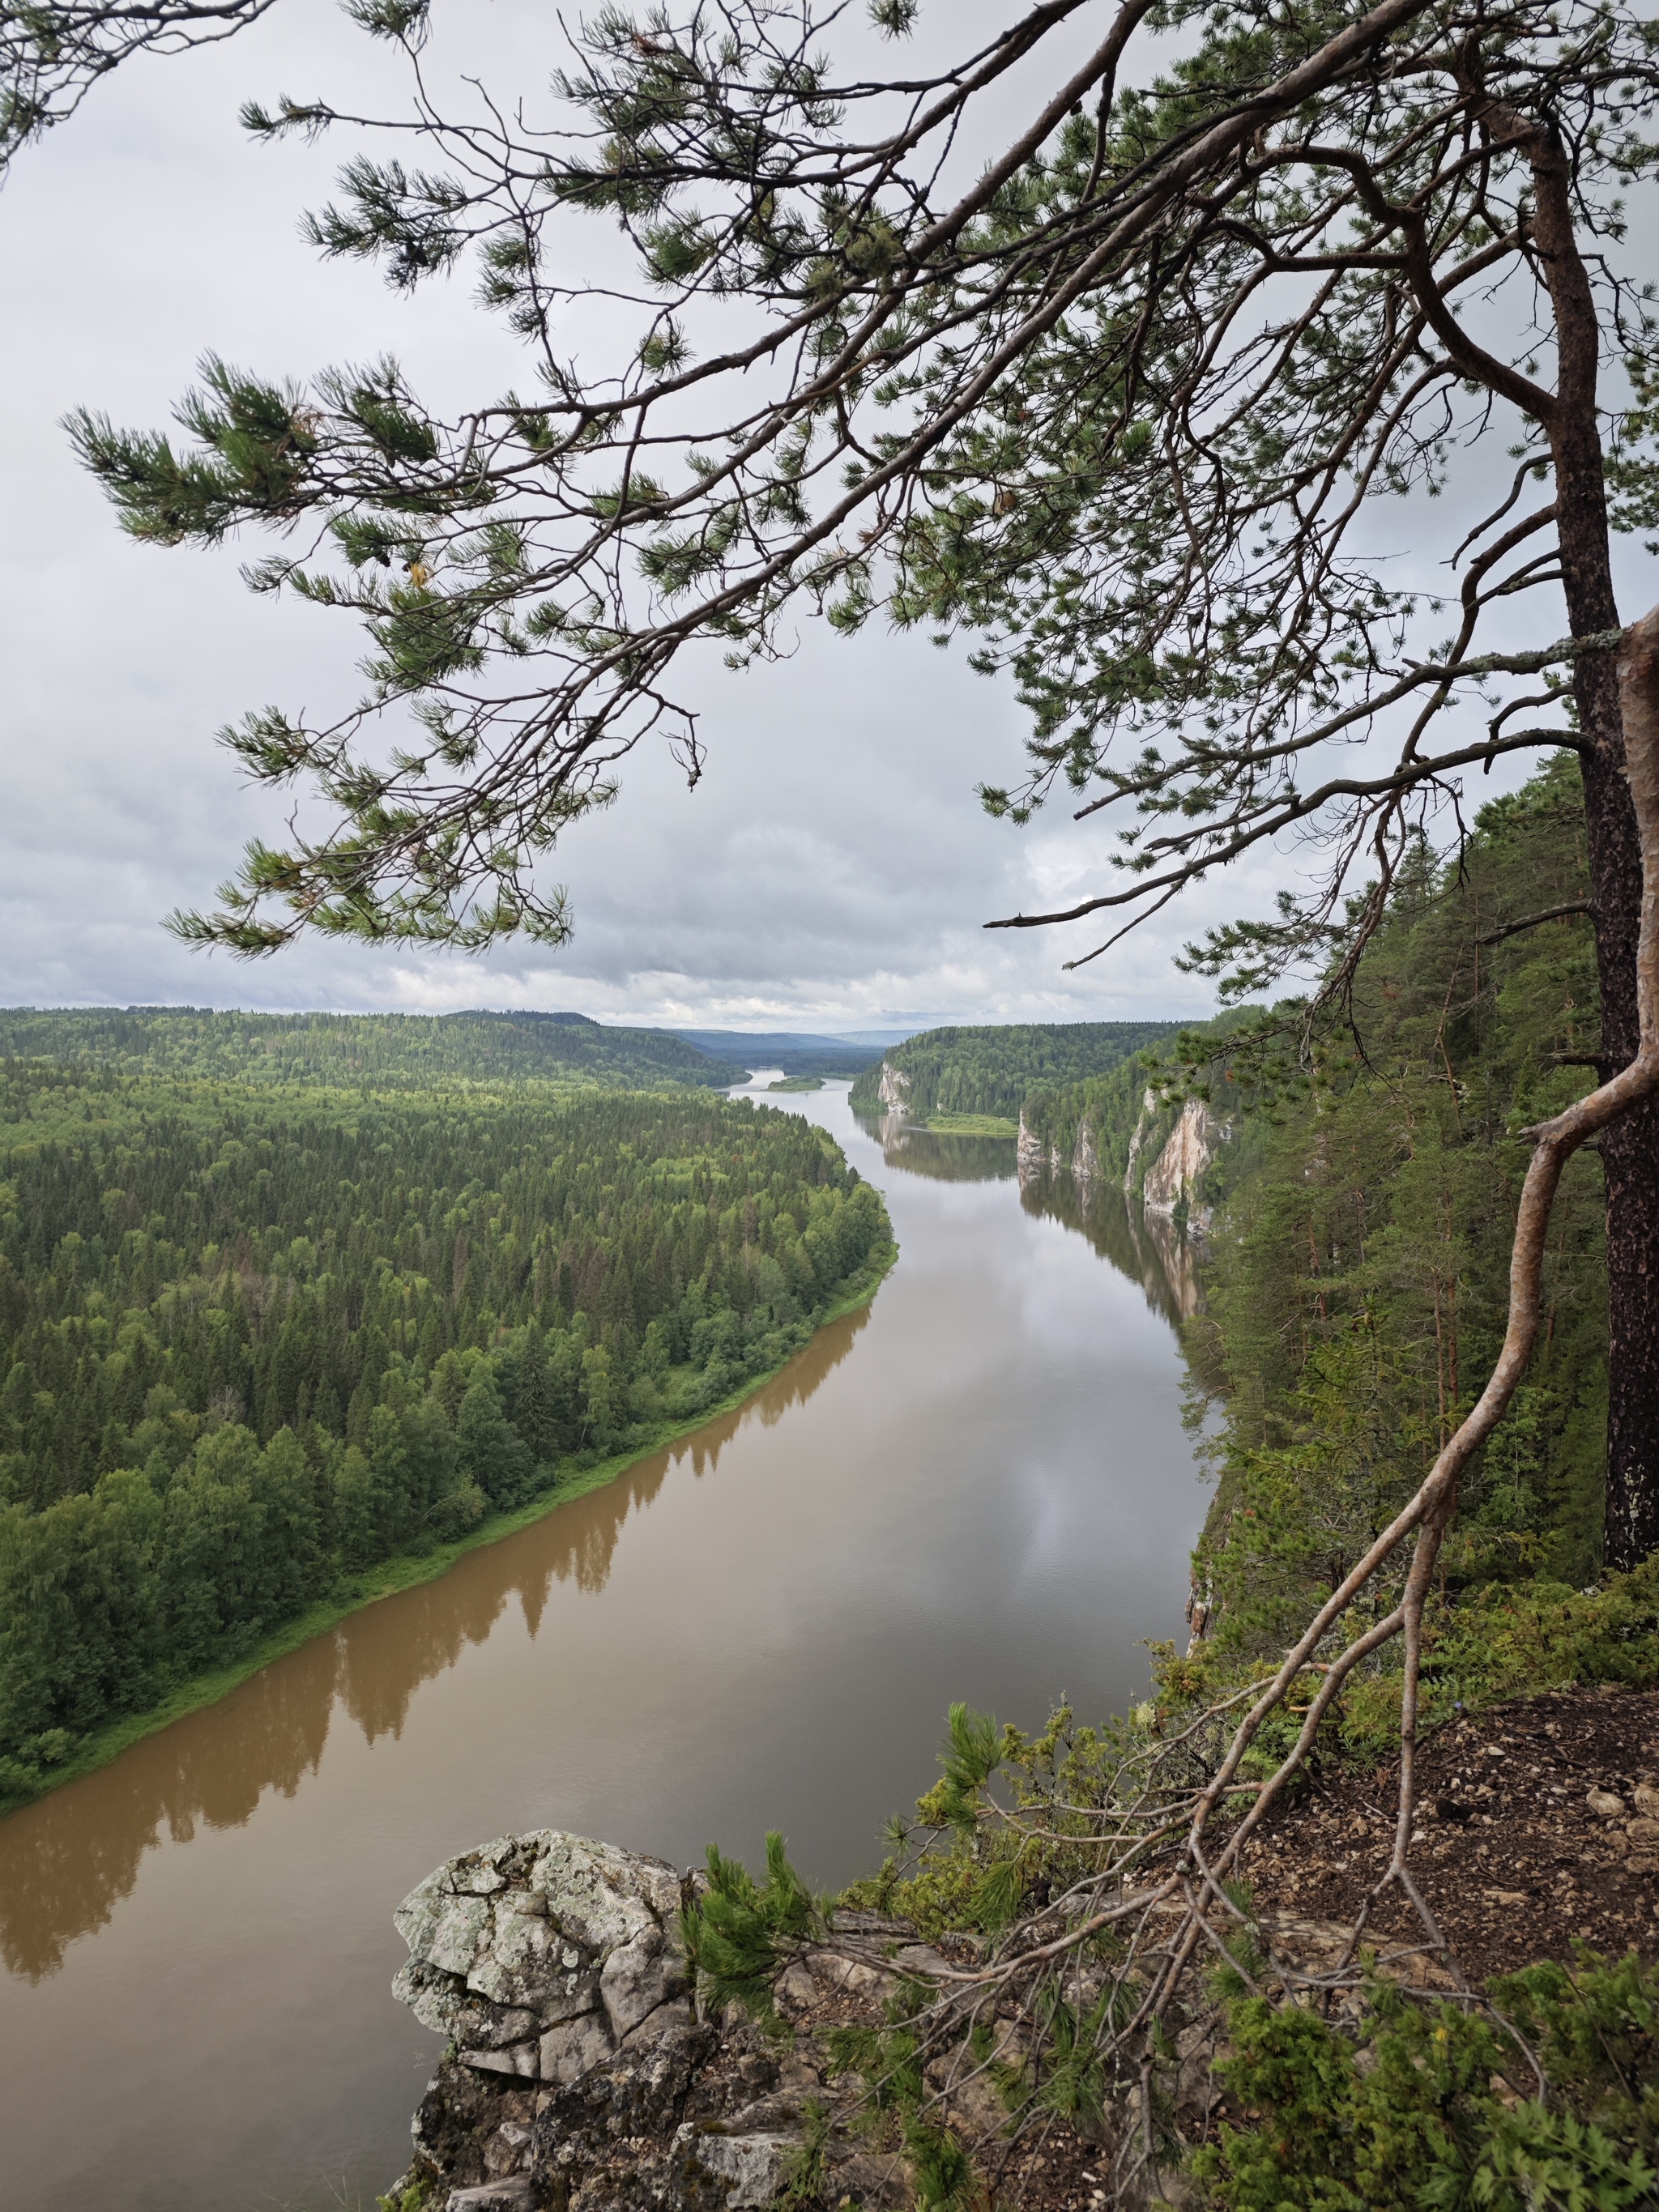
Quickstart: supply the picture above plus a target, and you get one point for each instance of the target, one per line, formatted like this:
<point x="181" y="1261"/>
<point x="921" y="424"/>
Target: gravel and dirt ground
<point x="1537" y="1828"/>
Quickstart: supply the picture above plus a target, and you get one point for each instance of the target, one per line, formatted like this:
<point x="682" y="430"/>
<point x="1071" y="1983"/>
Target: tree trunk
<point x="1629" y="1147"/>
<point x="1630" y="1161"/>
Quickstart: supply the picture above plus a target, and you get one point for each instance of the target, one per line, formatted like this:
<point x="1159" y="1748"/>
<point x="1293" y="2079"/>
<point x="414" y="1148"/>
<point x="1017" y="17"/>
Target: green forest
<point x="989" y="1072"/>
<point x="255" y="1341"/>
<point x="1356" y="1279"/>
<point x="383" y="1051"/>
<point x="1359" y="1291"/>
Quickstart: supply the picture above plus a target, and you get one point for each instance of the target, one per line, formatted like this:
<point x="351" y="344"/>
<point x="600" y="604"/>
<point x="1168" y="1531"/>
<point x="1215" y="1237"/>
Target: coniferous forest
<point x="388" y="1052"/>
<point x="1355" y="1276"/>
<point x="990" y="1071"/>
<point x="254" y="1342"/>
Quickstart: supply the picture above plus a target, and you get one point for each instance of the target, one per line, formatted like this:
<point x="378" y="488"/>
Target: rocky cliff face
<point x="581" y="2075"/>
<point x="894" y="1089"/>
<point x="543" y="1955"/>
<point x="1036" y="1158"/>
<point x="1137" y="1141"/>
<point x="1175" y="1175"/>
<point x="1033" y="1157"/>
<point x="1085" y="1161"/>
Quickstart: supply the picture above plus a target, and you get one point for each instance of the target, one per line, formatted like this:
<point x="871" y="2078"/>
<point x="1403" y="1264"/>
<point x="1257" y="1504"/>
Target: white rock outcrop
<point x="1035" y="1158"/>
<point x="1138" y="1140"/>
<point x="1186" y="1155"/>
<point x="543" y="1955"/>
<point x="894" y="1089"/>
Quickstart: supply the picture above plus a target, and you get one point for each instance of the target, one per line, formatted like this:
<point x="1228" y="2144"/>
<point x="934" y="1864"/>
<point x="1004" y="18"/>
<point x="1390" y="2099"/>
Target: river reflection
<point x="980" y="1488"/>
<point x="65" y="1865"/>
<point x="1147" y="1247"/>
<point x="938" y="1153"/>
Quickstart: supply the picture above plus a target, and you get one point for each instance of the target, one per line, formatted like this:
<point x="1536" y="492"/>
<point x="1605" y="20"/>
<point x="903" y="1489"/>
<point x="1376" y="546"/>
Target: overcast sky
<point x="834" y="868"/>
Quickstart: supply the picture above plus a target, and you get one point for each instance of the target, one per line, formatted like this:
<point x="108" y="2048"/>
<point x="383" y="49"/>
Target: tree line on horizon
<point x="384" y="1051"/>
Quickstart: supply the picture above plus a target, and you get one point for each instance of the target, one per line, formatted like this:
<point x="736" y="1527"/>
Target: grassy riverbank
<point x="409" y="1570"/>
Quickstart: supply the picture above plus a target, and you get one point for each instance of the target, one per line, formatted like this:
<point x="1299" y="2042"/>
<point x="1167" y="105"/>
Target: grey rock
<point x="453" y="1930"/>
<point x="487" y="2028"/>
<point x="576" y="1994"/>
<point x="655" y="2026"/>
<point x="520" y="2060"/>
<point x="752" y="2167"/>
<point x="434" y="1997"/>
<point x="534" y="1934"/>
<point x="506" y="2150"/>
<point x="601" y="1897"/>
<point x="512" y="2192"/>
<point x="583" y="2077"/>
<point x="636" y="1978"/>
<point x="568" y="2052"/>
<point x="519" y="1959"/>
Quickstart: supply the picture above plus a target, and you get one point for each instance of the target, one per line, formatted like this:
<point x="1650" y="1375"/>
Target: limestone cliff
<point x="1188" y="1154"/>
<point x="1137" y="1141"/>
<point x="894" y="1089"/>
<point x="1039" y="1156"/>
<point x="1035" y="1156"/>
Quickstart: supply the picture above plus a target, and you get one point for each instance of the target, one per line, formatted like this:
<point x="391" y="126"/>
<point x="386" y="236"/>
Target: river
<point x="979" y="1487"/>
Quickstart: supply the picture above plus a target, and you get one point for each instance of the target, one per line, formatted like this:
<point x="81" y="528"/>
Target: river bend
<point x="979" y="1487"/>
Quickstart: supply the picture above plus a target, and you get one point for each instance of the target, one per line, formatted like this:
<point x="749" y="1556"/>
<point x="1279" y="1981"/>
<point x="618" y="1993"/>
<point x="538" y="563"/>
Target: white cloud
<point x="833" y="868"/>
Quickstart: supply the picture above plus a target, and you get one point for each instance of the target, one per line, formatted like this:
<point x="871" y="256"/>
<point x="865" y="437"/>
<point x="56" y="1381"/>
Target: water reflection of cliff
<point x="66" y="1863"/>
<point x="935" y="1153"/>
<point x="1147" y="1247"/>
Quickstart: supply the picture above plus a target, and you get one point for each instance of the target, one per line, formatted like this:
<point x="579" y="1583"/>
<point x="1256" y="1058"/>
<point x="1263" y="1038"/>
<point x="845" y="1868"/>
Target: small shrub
<point x="1436" y="2107"/>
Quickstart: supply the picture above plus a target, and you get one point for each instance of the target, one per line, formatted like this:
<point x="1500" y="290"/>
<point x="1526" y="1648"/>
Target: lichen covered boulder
<point x="579" y="2076"/>
<point x="541" y="1956"/>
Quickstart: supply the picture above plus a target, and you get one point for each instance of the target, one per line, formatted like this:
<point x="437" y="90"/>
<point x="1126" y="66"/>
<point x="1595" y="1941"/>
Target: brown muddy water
<point x="978" y="1488"/>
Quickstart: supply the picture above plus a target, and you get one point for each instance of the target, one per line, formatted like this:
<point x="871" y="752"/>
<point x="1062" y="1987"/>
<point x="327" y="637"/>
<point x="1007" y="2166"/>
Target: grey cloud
<point x="834" y="867"/>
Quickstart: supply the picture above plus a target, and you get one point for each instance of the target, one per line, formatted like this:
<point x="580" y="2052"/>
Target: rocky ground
<point x="582" y="2078"/>
<point x="1539" y="1826"/>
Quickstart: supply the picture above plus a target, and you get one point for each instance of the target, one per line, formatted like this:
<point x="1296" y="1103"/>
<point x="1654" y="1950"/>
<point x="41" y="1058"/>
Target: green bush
<point x="1436" y="2108"/>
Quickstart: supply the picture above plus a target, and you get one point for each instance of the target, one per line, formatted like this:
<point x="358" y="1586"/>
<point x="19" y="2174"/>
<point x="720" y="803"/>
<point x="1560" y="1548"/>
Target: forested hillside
<point x="1108" y="1106"/>
<point x="1355" y="1292"/>
<point x="248" y="1345"/>
<point x="990" y="1071"/>
<point x="1356" y="1279"/>
<point x="1357" y="1285"/>
<point x="388" y="1051"/>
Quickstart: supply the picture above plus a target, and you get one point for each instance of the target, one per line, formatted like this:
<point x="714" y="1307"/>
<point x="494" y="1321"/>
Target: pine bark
<point x="1630" y="1145"/>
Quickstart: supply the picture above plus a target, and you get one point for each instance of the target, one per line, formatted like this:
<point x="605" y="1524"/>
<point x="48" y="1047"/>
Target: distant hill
<point x="390" y="1051"/>
<point x="989" y="1071"/>
<point x="794" y="1055"/>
